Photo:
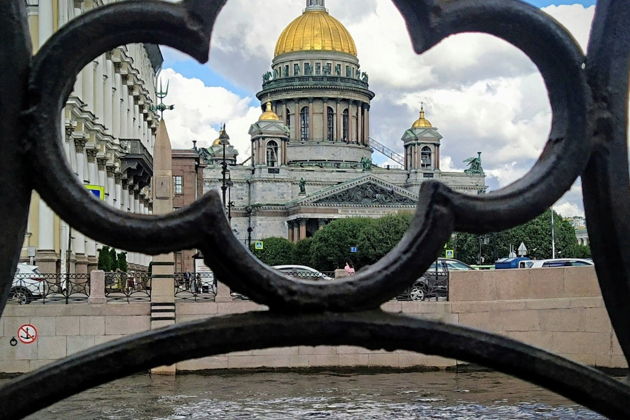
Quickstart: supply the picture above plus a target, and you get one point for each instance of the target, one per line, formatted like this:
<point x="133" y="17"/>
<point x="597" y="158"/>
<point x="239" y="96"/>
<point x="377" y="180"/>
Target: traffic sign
<point x="449" y="253"/>
<point x="259" y="245"/>
<point x="354" y="249"/>
<point x="27" y="333"/>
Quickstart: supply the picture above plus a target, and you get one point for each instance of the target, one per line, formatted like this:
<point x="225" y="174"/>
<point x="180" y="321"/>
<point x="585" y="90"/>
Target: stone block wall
<point x="64" y="330"/>
<point x="557" y="309"/>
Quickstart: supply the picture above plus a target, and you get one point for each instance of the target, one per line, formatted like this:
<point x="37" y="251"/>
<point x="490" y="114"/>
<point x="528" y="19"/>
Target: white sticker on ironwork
<point x="27" y="333"/>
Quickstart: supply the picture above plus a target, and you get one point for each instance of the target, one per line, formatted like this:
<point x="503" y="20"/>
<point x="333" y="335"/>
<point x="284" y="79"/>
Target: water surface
<point x="433" y="395"/>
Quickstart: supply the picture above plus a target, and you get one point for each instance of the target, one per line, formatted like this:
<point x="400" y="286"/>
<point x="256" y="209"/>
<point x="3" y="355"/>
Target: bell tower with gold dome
<point x="422" y="146"/>
<point x="318" y="91"/>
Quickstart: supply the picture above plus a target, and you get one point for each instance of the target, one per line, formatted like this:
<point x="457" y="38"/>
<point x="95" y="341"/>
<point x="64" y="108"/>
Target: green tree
<point x="122" y="262"/>
<point x="302" y="252"/>
<point x="378" y="238"/>
<point x="114" y="259"/>
<point x="104" y="259"/>
<point x="331" y="245"/>
<point x="276" y="251"/>
<point x="535" y="234"/>
<point x="582" y="251"/>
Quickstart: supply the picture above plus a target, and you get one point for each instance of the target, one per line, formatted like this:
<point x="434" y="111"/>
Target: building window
<point x="288" y="122"/>
<point x="338" y="69"/>
<point x="331" y="124"/>
<point x="286" y="71"/>
<point x="304" y="126"/>
<point x="425" y="157"/>
<point x="345" y="125"/>
<point x="296" y="69"/>
<point x="318" y="68"/>
<point x="328" y="69"/>
<point x="348" y="71"/>
<point x="272" y="153"/>
<point x="178" y="183"/>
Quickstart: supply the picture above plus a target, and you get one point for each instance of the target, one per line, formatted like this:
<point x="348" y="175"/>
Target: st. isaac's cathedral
<point x="311" y="150"/>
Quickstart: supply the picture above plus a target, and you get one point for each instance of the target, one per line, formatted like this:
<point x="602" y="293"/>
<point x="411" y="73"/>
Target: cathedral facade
<point x="311" y="150"/>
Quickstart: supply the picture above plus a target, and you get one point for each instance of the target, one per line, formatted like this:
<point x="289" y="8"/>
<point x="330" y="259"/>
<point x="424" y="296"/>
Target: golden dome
<point x="422" y="122"/>
<point x="223" y="136"/>
<point x="269" y="115"/>
<point x="315" y="30"/>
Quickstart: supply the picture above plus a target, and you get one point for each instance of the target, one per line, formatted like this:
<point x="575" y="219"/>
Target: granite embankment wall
<point x="558" y="309"/>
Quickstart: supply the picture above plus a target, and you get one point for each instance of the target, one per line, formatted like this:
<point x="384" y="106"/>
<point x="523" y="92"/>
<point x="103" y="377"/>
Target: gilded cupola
<point x="269" y="115"/>
<point x="422" y="122"/>
<point x="315" y="30"/>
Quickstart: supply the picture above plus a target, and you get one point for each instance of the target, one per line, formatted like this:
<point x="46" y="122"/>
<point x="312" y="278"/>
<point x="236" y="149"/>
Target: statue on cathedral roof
<point x="474" y="165"/>
<point x="366" y="163"/>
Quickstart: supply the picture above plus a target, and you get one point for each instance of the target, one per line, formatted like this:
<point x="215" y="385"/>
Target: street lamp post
<point x="224" y="138"/>
<point x="553" y="237"/>
<point x="230" y="203"/>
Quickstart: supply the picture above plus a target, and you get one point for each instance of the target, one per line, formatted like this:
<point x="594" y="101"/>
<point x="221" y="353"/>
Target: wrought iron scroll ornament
<point x="588" y="138"/>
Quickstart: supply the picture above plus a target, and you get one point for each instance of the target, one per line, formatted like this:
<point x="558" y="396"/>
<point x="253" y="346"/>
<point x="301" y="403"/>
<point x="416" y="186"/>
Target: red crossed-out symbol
<point x="27" y="333"/>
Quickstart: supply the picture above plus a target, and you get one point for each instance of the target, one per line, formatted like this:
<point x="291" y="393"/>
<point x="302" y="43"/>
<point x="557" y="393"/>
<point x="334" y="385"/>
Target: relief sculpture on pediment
<point x="367" y="194"/>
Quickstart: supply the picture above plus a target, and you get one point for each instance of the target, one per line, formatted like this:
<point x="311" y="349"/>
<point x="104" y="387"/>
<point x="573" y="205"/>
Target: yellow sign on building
<point x="97" y="190"/>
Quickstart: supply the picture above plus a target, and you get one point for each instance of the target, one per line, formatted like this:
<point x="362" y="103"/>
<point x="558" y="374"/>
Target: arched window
<point x="425" y="157"/>
<point x="304" y="130"/>
<point x="330" y="131"/>
<point x="345" y="125"/>
<point x="272" y="153"/>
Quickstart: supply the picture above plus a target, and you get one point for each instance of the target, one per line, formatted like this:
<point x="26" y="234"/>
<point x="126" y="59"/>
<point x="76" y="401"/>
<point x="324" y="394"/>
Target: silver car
<point x="28" y="284"/>
<point x="302" y="272"/>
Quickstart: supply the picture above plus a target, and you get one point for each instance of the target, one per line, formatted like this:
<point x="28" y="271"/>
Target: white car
<point x="28" y="284"/>
<point x="558" y="262"/>
<point x="302" y="272"/>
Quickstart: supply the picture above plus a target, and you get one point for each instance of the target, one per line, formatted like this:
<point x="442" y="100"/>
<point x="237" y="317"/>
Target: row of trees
<point x="330" y="247"/>
<point x="535" y="234"/>
<point x="109" y="260"/>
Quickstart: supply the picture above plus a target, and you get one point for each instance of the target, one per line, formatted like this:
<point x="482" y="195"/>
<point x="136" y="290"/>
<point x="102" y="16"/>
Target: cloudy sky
<point x="483" y="94"/>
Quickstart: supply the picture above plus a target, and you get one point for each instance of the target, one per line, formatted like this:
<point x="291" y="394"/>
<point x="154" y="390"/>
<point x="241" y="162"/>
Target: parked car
<point x="560" y="262"/>
<point x="434" y="282"/>
<point x="302" y="272"/>
<point x="514" y="262"/>
<point x="28" y="284"/>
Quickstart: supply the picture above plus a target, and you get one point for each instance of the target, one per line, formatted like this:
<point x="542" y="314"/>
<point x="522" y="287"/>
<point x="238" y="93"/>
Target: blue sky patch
<point x="544" y="3"/>
<point x="192" y="69"/>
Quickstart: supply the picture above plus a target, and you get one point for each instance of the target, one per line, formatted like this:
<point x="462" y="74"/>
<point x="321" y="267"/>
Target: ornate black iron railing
<point x="588" y="138"/>
<point x="129" y="287"/>
<point x="49" y="287"/>
<point x="195" y="286"/>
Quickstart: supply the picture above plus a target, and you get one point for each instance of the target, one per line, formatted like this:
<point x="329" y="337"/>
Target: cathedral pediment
<point x="365" y="192"/>
<point x="421" y="134"/>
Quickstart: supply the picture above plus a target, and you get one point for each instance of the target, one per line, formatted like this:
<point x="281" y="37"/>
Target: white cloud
<point x="446" y="164"/>
<point x="576" y="18"/>
<point x="567" y="209"/>
<point x="505" y="174"/>
<point x="200" y="110"/>
<point x="482" y="93"/>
